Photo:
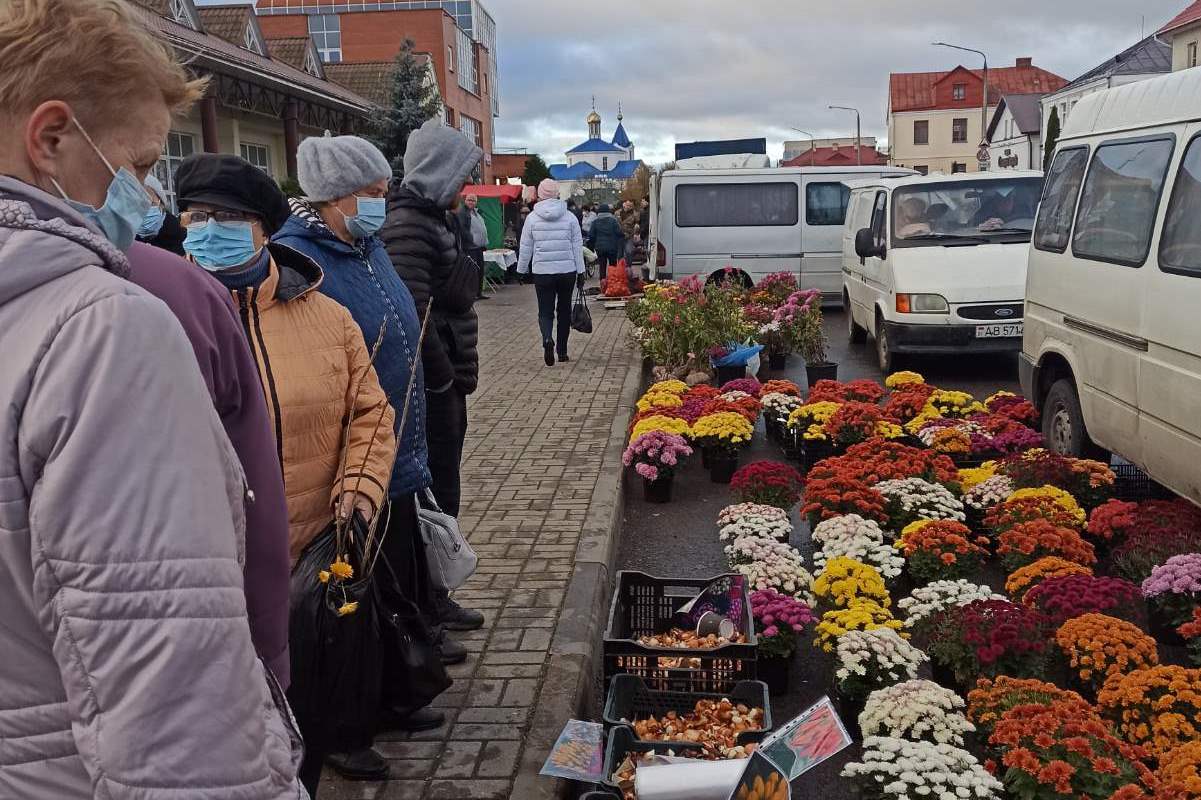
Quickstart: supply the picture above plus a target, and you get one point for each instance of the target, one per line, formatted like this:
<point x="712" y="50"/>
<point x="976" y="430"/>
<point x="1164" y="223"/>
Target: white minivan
<point x="937" y="264"/>
<point x="1112" y="353"/>
<point x="757" y="221"/>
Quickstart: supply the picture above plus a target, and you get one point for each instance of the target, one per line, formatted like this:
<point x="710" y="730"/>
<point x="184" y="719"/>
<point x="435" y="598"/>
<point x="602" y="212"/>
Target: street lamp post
<point x="858" y="133"/>
<point x="984" y="102"/>
<point x="812" y="143"/>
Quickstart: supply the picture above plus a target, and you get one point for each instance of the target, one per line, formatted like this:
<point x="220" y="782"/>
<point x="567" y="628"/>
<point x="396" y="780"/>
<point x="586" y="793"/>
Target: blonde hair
<point x="95" y="55"/>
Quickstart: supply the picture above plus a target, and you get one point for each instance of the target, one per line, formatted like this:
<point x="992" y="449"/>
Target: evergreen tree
<point x="535" y="171"/>
<point x="412" y="102"/>
<point x="1052" y="138"/>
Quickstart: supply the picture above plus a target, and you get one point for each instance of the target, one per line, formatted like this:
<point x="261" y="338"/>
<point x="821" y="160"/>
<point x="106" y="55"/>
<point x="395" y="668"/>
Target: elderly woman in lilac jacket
<point x="552" y="247"/>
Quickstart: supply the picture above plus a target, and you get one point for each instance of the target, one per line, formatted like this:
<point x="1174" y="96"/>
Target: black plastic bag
<point x="336" y="658"/>
<point x="581" y="318"/>
<point x="413" y="673"/>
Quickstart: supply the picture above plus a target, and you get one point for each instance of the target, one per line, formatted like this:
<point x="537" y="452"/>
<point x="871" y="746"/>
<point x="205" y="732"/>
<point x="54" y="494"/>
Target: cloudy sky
<point x="703" y="69"/>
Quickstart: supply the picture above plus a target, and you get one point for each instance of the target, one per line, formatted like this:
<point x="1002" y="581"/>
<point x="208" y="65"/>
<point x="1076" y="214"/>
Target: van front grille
<point x="1000" y="312"/>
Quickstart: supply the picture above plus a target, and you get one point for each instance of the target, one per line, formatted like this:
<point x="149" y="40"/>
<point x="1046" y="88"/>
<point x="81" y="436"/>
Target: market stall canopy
<point x="506" y="193"/>
<point x="493" y="198"/>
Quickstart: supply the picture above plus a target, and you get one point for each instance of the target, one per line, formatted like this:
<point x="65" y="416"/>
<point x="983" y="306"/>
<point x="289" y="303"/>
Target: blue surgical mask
<point x="125" y="202"/>
<point x="152" y="223"/>
<point x="369" y="218"/>
<point x="218" y="246"/>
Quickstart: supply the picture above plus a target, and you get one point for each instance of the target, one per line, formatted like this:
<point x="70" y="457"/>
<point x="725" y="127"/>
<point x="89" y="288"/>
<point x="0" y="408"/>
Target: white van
<point x="1112" y="354"/>
<point x="937" y="265"/>
<point x="758" y="221"/>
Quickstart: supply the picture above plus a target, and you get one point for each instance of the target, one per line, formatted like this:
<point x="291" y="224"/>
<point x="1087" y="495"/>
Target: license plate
<point x="1003" y="330"/>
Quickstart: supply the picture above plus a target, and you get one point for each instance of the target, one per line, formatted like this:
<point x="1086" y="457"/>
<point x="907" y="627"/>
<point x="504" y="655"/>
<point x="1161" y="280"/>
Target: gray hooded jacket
<point x="127" y="670"/>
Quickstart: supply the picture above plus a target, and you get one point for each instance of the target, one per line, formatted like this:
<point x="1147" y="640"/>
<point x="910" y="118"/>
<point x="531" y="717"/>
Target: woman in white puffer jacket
<point x="552" y="247"/>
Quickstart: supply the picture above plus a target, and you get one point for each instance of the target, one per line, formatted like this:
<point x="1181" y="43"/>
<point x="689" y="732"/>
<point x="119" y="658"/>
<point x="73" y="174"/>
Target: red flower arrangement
<point x="1191" y="632"/>
<point x="990" y="638"/>
<point x="1004" y="516"/>
<point x="768" y="483"/>
<point x="749" y="385"/>
<point x="907" y="401"/>
<point x="827" y="390"/>
<point x="1134" y="558"/>
<point x="855" y="422"/>
<point x="746" y="406"/>
<point x="839" y="495"/>
<point x="941" y="550"/>
<point x="879" y="460"/>
<point x="857" y="391"/>
<point x="701" y="391"/>
<point x="1027" y="542"/>
<point x="1070" y="596"/>
<point x="1113" y="520"/>
<point x="1015" y="408"/>
<point x="1087" y="481"/>
<point x="780" y="387"/>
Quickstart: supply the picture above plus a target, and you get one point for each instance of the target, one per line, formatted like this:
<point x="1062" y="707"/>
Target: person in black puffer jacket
<point x="424" y="245"/>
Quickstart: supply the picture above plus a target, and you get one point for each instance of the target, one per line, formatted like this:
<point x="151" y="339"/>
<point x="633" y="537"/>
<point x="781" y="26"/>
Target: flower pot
<point x="724" y="375"/>
<point x="849" y="709"/>
<point x="814" y="451"/>
<point x="705" y="456"/>
<point x="777" y="362"/>
<point x="1162" y="629"/>
<point x="827" y="370"/>
<point x="657" y="491"/>
<point x="722" y="467"/>
<point x="775" y="672"/>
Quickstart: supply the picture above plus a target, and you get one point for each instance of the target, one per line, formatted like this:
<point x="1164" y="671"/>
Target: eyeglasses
<point x="202" y="217"/>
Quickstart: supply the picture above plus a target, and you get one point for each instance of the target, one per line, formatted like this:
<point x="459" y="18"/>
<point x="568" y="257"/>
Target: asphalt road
<point x="679" y="539"/>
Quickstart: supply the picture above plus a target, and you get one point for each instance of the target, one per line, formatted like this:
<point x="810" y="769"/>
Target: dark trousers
<point x="446" y="429"/>
<point x="606" y="260"/>
<point x="406" y="555"/>
<point x="310" y="770"/>
<point x="554" y="302"/>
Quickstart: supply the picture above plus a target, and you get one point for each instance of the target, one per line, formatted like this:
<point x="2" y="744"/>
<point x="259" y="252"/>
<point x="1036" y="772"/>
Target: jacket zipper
<point x="254" y="337"/>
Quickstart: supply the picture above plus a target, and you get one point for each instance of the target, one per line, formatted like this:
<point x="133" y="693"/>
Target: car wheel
<point x="856" y="333"/>
<point x="1063" y="424"/>
<point x="886" y="360"/>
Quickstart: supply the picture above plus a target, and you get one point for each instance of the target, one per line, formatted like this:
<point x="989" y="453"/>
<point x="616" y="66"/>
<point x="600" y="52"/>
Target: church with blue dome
<point x="598" y="159"/>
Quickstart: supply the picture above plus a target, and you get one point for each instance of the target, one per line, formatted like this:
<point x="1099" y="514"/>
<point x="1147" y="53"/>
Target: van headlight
<point x="922" y="304"/>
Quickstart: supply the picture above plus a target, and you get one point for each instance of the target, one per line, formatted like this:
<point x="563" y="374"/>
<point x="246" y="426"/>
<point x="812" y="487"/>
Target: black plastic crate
<point x="623" y="741"/>
<point x="1135" y="486"/>
<point x="644" y="605"/>
<point x="631" y="699"/>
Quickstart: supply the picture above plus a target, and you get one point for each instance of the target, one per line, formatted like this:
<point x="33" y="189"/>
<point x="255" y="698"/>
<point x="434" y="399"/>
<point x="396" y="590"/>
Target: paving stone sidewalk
<point x="536" y="442"/>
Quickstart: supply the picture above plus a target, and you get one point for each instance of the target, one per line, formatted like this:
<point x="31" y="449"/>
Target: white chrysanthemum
<point x="856" y="538"/>
<point x="989" y="492"/>
<point x="896" y="768"/>
<point x="921" y="499"/>
<point x="916" y="710"/>
<point x="936" y="596"/>
<point x="866" y="660"/>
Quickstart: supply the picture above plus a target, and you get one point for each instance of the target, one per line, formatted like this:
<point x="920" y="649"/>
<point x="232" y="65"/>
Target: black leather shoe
<point x="361" y="765"/>
<point x="548" y="352"/>
<point x="563" y="359"/>
<point x="454" y="617"/>
<point x="451" y="651"/>
<point x="423" y="719"/>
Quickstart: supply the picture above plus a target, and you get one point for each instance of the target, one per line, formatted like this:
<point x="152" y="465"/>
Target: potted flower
<point x="779" y="621"/>
<point x="853" y="537"/>
<point x="987" y="638"/>
<point x="1098" y="647"/>
<point x="1022" y="581"/>
<point x="908" y="401"/>
<point x="861" y="615"/>
<point x="899" y="769"/>
<point x="912" y="499"/>
<point x="844" y="582"/>
<point x="949" y="403"/>
<point x="1087" y="481"/>
<point x="655" y="456"/>
<point x="1014" y="511"/>
<point x="1061" y="599"/>
<point x="1158" y="707"/>
<point x="1064" y="750"/>
<point x="753" y="519"/>
<point x="1027" y="542"/>
<point x="1180" y="771"/>
<point x="807" y="424"/>
<point x="776" y="408"/>
<point x="1190" y="632"/>
<point x="877" y="460"/>
<point x="805" y="311"/>
<point x="982" y="496"/>
<point x="1173" y="590"/>
<point x="856" y="422"/>
<point x="750" y="386"/>
<point x="917" y="711"/>
<point x="865" y="661"/>
<point x="769" y="483"/>
<point x="1014" y="407"/>
<point x="1142" y="551"/>
<point x="661" y="422"/>
<point x="770" y="565"/>
<point x="723" y="434"/>
<point x="776" y="340"/>
<point x="835" y="496"/>
<point x="992" y="698"/>
<point x="780" y="386"/>
<point x="940" y="550"/>
<point x="924" y="602"/>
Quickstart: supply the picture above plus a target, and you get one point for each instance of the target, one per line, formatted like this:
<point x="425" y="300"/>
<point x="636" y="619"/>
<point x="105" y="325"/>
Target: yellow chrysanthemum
<point x="928" y="414"/>
<point x="652" y="400"/>
<point x="726" y="427"/>
<point x="889" y="430"/>
<point x="658" y="422"/>
<point x="668" y="387"/>
<point x="902" y="378"/>
<point x="813" y="414"/>
<point x="347" y="608"/>
<point x="323" y="576"/>
<point x="969" y="478"/>
<point x="341" y="569"/>
<point x="1061" y="498"/>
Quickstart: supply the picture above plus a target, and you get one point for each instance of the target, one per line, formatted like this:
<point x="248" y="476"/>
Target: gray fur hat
<point x="329" y="167"/>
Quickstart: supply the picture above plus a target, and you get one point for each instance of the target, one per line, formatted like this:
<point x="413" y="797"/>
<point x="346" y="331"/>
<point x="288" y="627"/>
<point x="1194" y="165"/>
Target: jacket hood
<point x="298" y="274"/>
<point x="437" y="162"/>
<point x="550" y="210"/>
<point x="42" y="238"/>
<point x="604" y="214"/>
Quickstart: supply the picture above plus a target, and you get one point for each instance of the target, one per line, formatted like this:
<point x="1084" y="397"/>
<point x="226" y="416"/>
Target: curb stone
<point x="568" y="683"/>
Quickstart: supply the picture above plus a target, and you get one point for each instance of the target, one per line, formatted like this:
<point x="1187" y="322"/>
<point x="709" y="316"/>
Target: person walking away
<point x="587" y="220"/>
<point x="312" y="359"/>
<point x="607" y="239"/>
<point x="475" y="235"/>
<point x="128" y="666"/>
<point x="552" y="248"/>
<point x="160" y="227"/>
<point x="424" y="251"/>
<point x="644" y="218"/>
<point x="345" y="180"/>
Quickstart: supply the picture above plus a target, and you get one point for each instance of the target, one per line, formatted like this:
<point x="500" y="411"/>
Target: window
<point x="734" y="205"/>
<point x="326" y="30"/>
<point x="959" y="130"/>
<point x="1180" y="246"/>
<point x="605" y="163"/>
<point x="472" y="129"/>
<point x="1120" y="199"/>
<point x="1191" y="55"/>
<point x="959" y="91"/>
<point x="921" y="169"/>
<point x="465" y="56"/>
<point x="879" y="215"/>
<point x="450" y="57"/>
<point x="1058" y="207"/>
<point x="250" y="41"/>
<point x="958" y="167"/>
<point x="179" y="146"/>
<point x="450" y="118"/>
<point x="180" y="13"/>
<point x="311" y="64"/>
<point x="971" y="210"/>
<point x="921" y="131"/>
<point x="258" y="155"/>
<point x="826" y="203"/>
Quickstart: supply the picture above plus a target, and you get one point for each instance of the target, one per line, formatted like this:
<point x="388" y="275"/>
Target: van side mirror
<point x="865" y="244"/>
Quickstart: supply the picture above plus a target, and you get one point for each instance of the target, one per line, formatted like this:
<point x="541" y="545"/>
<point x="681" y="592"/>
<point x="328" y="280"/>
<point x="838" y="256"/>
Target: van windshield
<point x="966" y="212"/>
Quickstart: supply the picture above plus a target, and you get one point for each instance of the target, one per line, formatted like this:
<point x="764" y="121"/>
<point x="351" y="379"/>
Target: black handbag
<point x="581" y="317"/>
<point x="413" y="673"/>
<point x="465" y="279"/>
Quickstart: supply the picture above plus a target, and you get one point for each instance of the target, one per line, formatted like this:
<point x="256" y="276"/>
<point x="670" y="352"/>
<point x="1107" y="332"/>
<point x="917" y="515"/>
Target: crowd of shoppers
<point x="182" y="429"/>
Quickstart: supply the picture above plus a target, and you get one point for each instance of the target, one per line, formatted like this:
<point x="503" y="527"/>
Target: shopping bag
<point x="447" y="552"/>
<point x="413" y="673"/>
<point x="334" y="641"/>
<point x="581" y="318"/>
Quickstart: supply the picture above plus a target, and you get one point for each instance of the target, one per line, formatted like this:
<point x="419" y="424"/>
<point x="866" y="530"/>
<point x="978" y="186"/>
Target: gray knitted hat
<point x="329" y="167"/>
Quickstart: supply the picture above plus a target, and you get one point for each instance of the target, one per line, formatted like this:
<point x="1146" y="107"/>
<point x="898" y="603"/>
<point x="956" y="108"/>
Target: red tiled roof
<point x="837" y="157"/>
<point x="914" y="91"/>
<point x="1186" y="17"/>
